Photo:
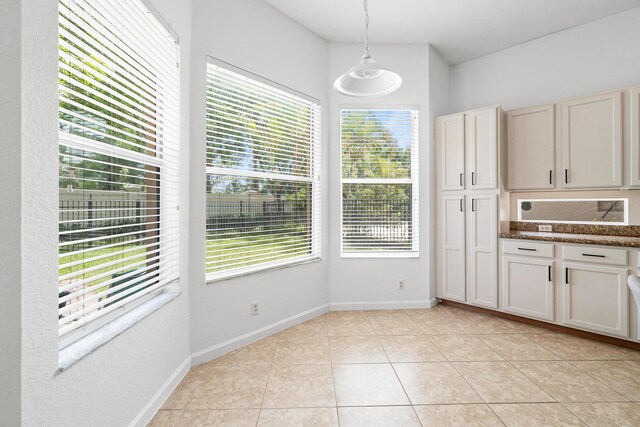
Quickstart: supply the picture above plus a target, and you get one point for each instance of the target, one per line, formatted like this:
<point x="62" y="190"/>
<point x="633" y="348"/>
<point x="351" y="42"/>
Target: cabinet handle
<point x="550" y="177"/>
<point x="461" y="179"/>
<point x="460" y="205"/>
<point x="566" y="276"/>
<point x="549" y="272"/>
<point x="473" y="178"/>
<point x="527" y="249"/>
<point x="473" y="205"/>
<point x="566" y="176"/>
<point x="594" y="255"/>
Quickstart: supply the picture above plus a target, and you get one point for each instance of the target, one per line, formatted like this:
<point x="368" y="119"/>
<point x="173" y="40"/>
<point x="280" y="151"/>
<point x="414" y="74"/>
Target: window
<point x="379" y="182"/>
<point x="576" y="211"/>
<point x="118" y="159"/>
<point x="263" y="165"/>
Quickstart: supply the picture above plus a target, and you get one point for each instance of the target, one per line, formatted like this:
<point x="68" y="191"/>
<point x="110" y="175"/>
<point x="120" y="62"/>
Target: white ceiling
<point x="459" y="29"/>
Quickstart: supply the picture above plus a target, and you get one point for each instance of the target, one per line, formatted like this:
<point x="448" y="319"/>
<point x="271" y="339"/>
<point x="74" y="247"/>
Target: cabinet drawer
<point x="595" y="255"/>
<point x="528" y="248"/>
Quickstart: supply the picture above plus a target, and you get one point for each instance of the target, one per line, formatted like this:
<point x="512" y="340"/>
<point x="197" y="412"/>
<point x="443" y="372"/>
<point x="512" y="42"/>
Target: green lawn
<point x="256" y="249"/>
<point x="104" y="258"/>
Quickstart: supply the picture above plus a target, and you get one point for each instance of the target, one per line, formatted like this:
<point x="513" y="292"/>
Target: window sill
<point x="234" y="274"/>
<point x="380" y="255"/>
<point x="72" y="353"/>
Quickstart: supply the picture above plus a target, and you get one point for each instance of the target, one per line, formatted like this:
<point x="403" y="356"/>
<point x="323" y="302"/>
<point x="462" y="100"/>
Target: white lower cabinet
<point x="452" y="248"/>
<point x="527" y="287"/>
<point x="482" y="242"/>
<point x="596" y="298"/>
<point x="468" y="249"/>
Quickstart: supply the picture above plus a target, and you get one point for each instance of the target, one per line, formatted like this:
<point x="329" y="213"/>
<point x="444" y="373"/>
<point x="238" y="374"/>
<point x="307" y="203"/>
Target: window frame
<point x="313" y="180"/>
<point x="77" y="342"/>
<point x="413" y="180"/>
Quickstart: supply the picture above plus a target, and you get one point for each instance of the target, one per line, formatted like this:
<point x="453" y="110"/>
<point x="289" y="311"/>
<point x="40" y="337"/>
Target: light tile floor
<point x="438" y="367"/>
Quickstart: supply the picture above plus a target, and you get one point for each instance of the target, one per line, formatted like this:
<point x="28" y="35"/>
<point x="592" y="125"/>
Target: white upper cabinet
<point x="634" y="151"/>
<point x="482" y="260"/>
<point x="531" y="148"/>
<point x="451" y="146"/>
<point x="591" y="135"/>
<point x="452" y="248"/>
<point x="481" y="136"/>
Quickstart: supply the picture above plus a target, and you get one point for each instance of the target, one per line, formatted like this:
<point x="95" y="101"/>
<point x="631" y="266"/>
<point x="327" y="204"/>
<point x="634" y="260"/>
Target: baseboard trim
<point x="218" y="350"/>
<point x="546" y="325"/>
<point x="146" y="414"/>
<point x="382" y="305"/>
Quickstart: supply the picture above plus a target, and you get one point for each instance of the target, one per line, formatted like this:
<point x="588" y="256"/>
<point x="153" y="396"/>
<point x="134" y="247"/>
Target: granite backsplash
<point x="597" y="229"/>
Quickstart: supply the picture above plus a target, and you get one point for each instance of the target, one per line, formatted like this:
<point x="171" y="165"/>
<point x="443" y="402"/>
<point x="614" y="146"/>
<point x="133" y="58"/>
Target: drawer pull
<point x="473" y="178"/>
<point x="473" y="205"/>
<point x="527" y="249"/>
<point x="594" y="255"/>
<point x="461" y="179"/>
<point x="550" y="177"/>
<point x="549" y="267"/>
<point x="566" y="276"/>
<point x="460" y="205"/>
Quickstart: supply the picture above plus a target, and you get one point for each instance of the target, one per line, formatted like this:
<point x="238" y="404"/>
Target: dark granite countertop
<point x="585" y="239"/>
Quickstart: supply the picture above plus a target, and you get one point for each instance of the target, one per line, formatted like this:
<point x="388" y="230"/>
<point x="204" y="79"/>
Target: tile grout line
<point x="264" y="393"/>
<point x="402" y="385"/>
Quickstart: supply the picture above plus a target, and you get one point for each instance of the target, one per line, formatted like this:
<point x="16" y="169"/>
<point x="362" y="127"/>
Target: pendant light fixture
<point x="367" y="78"/>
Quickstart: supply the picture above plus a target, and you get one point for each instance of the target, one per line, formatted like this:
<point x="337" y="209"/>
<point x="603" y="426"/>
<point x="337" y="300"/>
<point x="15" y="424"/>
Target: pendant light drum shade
<point x="368" y="78"/>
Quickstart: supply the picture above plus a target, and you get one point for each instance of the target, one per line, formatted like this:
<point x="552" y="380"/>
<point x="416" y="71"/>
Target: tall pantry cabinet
<point x="468" y="190"/>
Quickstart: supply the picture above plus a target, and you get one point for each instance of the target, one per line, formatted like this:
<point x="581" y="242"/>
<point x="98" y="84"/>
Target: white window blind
<point x="118" y="160"/>
<point x="263" y="164"/>
<point x="379" y="182"/>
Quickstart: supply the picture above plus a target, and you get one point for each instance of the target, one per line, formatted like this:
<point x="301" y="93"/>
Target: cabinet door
<point x="634" y="151"/>
<point x="527" y="287"/>
<point x="451" y="146"/>
<point x="531" y="148"/>
<point x="452" y="248"/>
<point x="592" y="142"/>
<point x="482" y="242"/>
<point x="481" y="135"/>
<point x="596" y="298"/>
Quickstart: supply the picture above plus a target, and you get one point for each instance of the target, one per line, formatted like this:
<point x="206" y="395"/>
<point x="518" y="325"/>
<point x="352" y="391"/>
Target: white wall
<point x="254" y="36"/>
<point x="111" y="385"/>
<point x="357" y="282"/>
<point x="10" y="211"/>
<point x="583" y="60"/>
<point x="439" y="105"/>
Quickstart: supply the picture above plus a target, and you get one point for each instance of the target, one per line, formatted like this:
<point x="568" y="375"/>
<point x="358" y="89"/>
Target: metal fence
<point x="88" y="219"/>
<point x="376" y="220"/>
<point x="243" y="214"/>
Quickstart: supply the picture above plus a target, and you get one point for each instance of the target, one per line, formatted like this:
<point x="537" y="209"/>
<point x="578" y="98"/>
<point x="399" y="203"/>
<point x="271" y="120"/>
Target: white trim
<point x="153" y="406"/>
<point x="245" y="271"/>
<point x="218" y="350"/>
<point x="381" y="254"/>
<point x="257" y="174"/>
<point x="96" y="339"/>
<point x="602" y="199"/>
<point x="382" y="305"/>
<point x="225" y="66"/>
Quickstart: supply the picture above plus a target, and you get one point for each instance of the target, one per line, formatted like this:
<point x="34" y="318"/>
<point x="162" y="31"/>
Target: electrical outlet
<point x="401" y="285"/>
<point x="545" y="228"/>
<point x="255" y="308"/>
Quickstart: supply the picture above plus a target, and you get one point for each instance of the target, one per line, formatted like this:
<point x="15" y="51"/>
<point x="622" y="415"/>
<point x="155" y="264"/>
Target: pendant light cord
<point x="366" y="30"/>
